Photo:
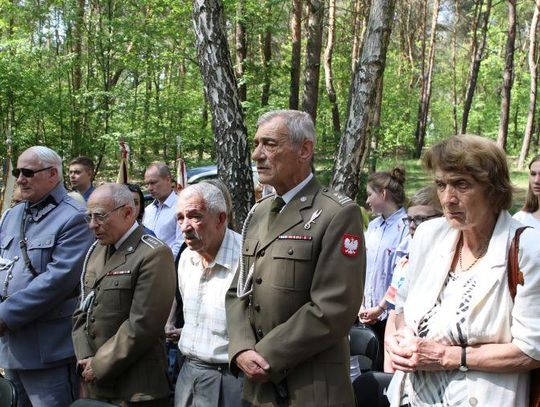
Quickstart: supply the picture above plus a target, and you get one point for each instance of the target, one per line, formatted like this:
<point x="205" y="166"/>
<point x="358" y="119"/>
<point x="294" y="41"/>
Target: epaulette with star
<point x="151" y="241"/>
<point x="336" y="196"/>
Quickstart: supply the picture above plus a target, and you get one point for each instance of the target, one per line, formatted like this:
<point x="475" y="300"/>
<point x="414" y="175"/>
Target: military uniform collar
<point x="289" y="195"/>
<point x="118" y="244"/>
<point x="47" y="203"/>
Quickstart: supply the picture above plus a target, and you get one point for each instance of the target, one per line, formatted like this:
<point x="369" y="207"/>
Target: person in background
<point x="462" y="338"/>
<point x="138" y="198"/>
<point x="160" y="215"/>
<point x="423" y="206"/>
<point x="386" y="196"/>
<point x="529" y="215"/>
<point x="81" y="173"/>
<point x="40" y="282"/>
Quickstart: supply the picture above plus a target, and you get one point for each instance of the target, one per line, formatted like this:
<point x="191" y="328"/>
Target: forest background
<point x="80" y="75"/>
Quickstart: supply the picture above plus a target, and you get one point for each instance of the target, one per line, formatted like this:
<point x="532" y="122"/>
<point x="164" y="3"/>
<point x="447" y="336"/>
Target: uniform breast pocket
<point x="117" y="294"/>
<point x="39" y="250"/>
<point x="292" y="268"/>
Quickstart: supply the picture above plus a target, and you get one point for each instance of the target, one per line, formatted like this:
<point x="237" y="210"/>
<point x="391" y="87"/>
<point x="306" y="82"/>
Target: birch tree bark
<point x="241" y="49"/>
<point x="296" y="44"/>
<point x="328" y="74"/>
<point x="313" y="57"/>
<point x="508" y="75"/>
<point x="220" y="87"/>
<point x="355" y="137"/>
<point x="425" y="94"/>
<point x="533" y="69"/>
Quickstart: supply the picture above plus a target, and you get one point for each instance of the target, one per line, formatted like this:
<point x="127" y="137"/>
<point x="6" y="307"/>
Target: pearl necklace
<point x="482" y="253"/>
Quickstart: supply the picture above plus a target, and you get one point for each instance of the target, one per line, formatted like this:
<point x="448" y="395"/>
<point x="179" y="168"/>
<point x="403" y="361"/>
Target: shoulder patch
<point x="336" y="196"/>
<point x="151" y="241"/>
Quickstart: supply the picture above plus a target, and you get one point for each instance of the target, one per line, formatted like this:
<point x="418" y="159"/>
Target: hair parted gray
<point x="120" y="194"/>
<point x="48" y="157"/>
<point x="300" y="124"/>
<point x="212" y="196"/>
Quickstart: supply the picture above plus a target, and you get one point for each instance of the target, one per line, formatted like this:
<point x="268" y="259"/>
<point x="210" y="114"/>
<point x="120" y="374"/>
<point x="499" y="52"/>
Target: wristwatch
<point x="463" y="365"/>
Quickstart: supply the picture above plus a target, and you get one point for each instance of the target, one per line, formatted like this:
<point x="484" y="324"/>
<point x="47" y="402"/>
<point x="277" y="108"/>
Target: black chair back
<point x="91" y="403"/>
<point x="8" y="393"/>
<point x="364" y="342"/>
<point x="370" y="389"/>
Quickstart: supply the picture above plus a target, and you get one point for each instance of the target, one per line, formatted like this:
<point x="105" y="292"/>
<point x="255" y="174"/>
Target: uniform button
<point x="290" y="251"/>
<point x="325" y="189"/>
<point x="473" y="401"/>
<point x="16" y="258"/>
<point x="116" y="283"/>
<point x="262" y="253"/>
<point x="258" y="280"/>
<point x="257" y="307"/>
<point x="260" y="333"/>
<point x="95" y="303"/>
<point x="86" y="282"/>
<point x="92" y="319"/>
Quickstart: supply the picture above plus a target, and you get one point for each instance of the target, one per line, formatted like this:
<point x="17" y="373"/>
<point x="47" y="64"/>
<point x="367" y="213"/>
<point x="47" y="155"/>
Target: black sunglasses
<point x="26" y="172"/>
<point x="418" y="219"/>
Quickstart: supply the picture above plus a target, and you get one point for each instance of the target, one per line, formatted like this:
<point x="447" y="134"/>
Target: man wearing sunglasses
<point x="43" y="241"/>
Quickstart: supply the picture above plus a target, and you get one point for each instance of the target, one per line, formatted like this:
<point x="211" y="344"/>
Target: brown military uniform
<point x="307" y="289"/>
<point x="122" y="327"/>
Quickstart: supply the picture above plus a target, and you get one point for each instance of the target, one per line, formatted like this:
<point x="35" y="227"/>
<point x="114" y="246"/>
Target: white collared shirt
<point x="287" y="196"/>
<point x="126" y="235"/>
<point x="161" y="219"/>
<point x="204" y="335"/>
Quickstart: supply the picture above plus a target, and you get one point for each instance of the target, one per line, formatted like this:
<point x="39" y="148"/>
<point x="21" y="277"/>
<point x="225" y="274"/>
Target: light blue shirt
<point x="161" y="219"/>
<point x="382" y="239"/>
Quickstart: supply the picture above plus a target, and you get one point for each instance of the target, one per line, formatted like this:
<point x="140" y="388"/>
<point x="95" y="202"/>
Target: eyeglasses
<point x="99" y="218"/>
<point x="26" y="172"/>
<point x="418" y="219"/>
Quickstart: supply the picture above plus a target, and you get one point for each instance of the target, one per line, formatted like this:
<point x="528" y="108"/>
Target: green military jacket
<point x="122" y="327"/>
<point x="307" y="271"/>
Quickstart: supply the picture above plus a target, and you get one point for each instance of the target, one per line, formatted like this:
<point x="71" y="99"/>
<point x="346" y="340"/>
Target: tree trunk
<point x="329" y="77"/>
<point x="355" y="137"/>
<point x="265" y="42"/>
<point x="533" y="69"/>
<point x="477" y="55"/>
<point x="457" y="13"/>
<point x="508" y="75"/>
<point x="296" y="43"/>
<point x="427" y="80"/>
<point x="361" y="14"/>
<point x="313" y="57"/>
<point x="77" y="79"/>
<point x="241" y="50"/>
<point x="230" y="133"/>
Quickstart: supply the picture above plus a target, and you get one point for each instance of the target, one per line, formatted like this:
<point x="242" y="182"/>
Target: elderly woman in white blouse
<point x="461" y="339"/>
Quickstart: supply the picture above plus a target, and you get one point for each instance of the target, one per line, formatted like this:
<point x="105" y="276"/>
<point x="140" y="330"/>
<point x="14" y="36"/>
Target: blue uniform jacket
<point x="38" y="309"/>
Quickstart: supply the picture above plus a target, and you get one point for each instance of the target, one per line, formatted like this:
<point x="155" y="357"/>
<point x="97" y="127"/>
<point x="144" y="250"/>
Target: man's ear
<point x="305" y="152"/>
<point x="222" y="217"/>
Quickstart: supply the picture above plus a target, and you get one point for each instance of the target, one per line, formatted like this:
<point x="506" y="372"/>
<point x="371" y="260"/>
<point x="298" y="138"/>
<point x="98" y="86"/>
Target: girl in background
<point x="386" y="197"/>
<point x="529" y="215"/>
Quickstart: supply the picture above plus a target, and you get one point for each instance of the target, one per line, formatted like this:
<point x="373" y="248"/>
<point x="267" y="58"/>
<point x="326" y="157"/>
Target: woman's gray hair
<point x="299" y="124"/>
<point x="212" y="196"/>
<point x="49" y="158"/>
<point x="120" y="195"/>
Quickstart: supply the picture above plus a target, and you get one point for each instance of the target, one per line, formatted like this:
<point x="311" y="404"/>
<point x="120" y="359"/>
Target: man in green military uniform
<point x="300" y="283"/>
<point x="128" y="287"/>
